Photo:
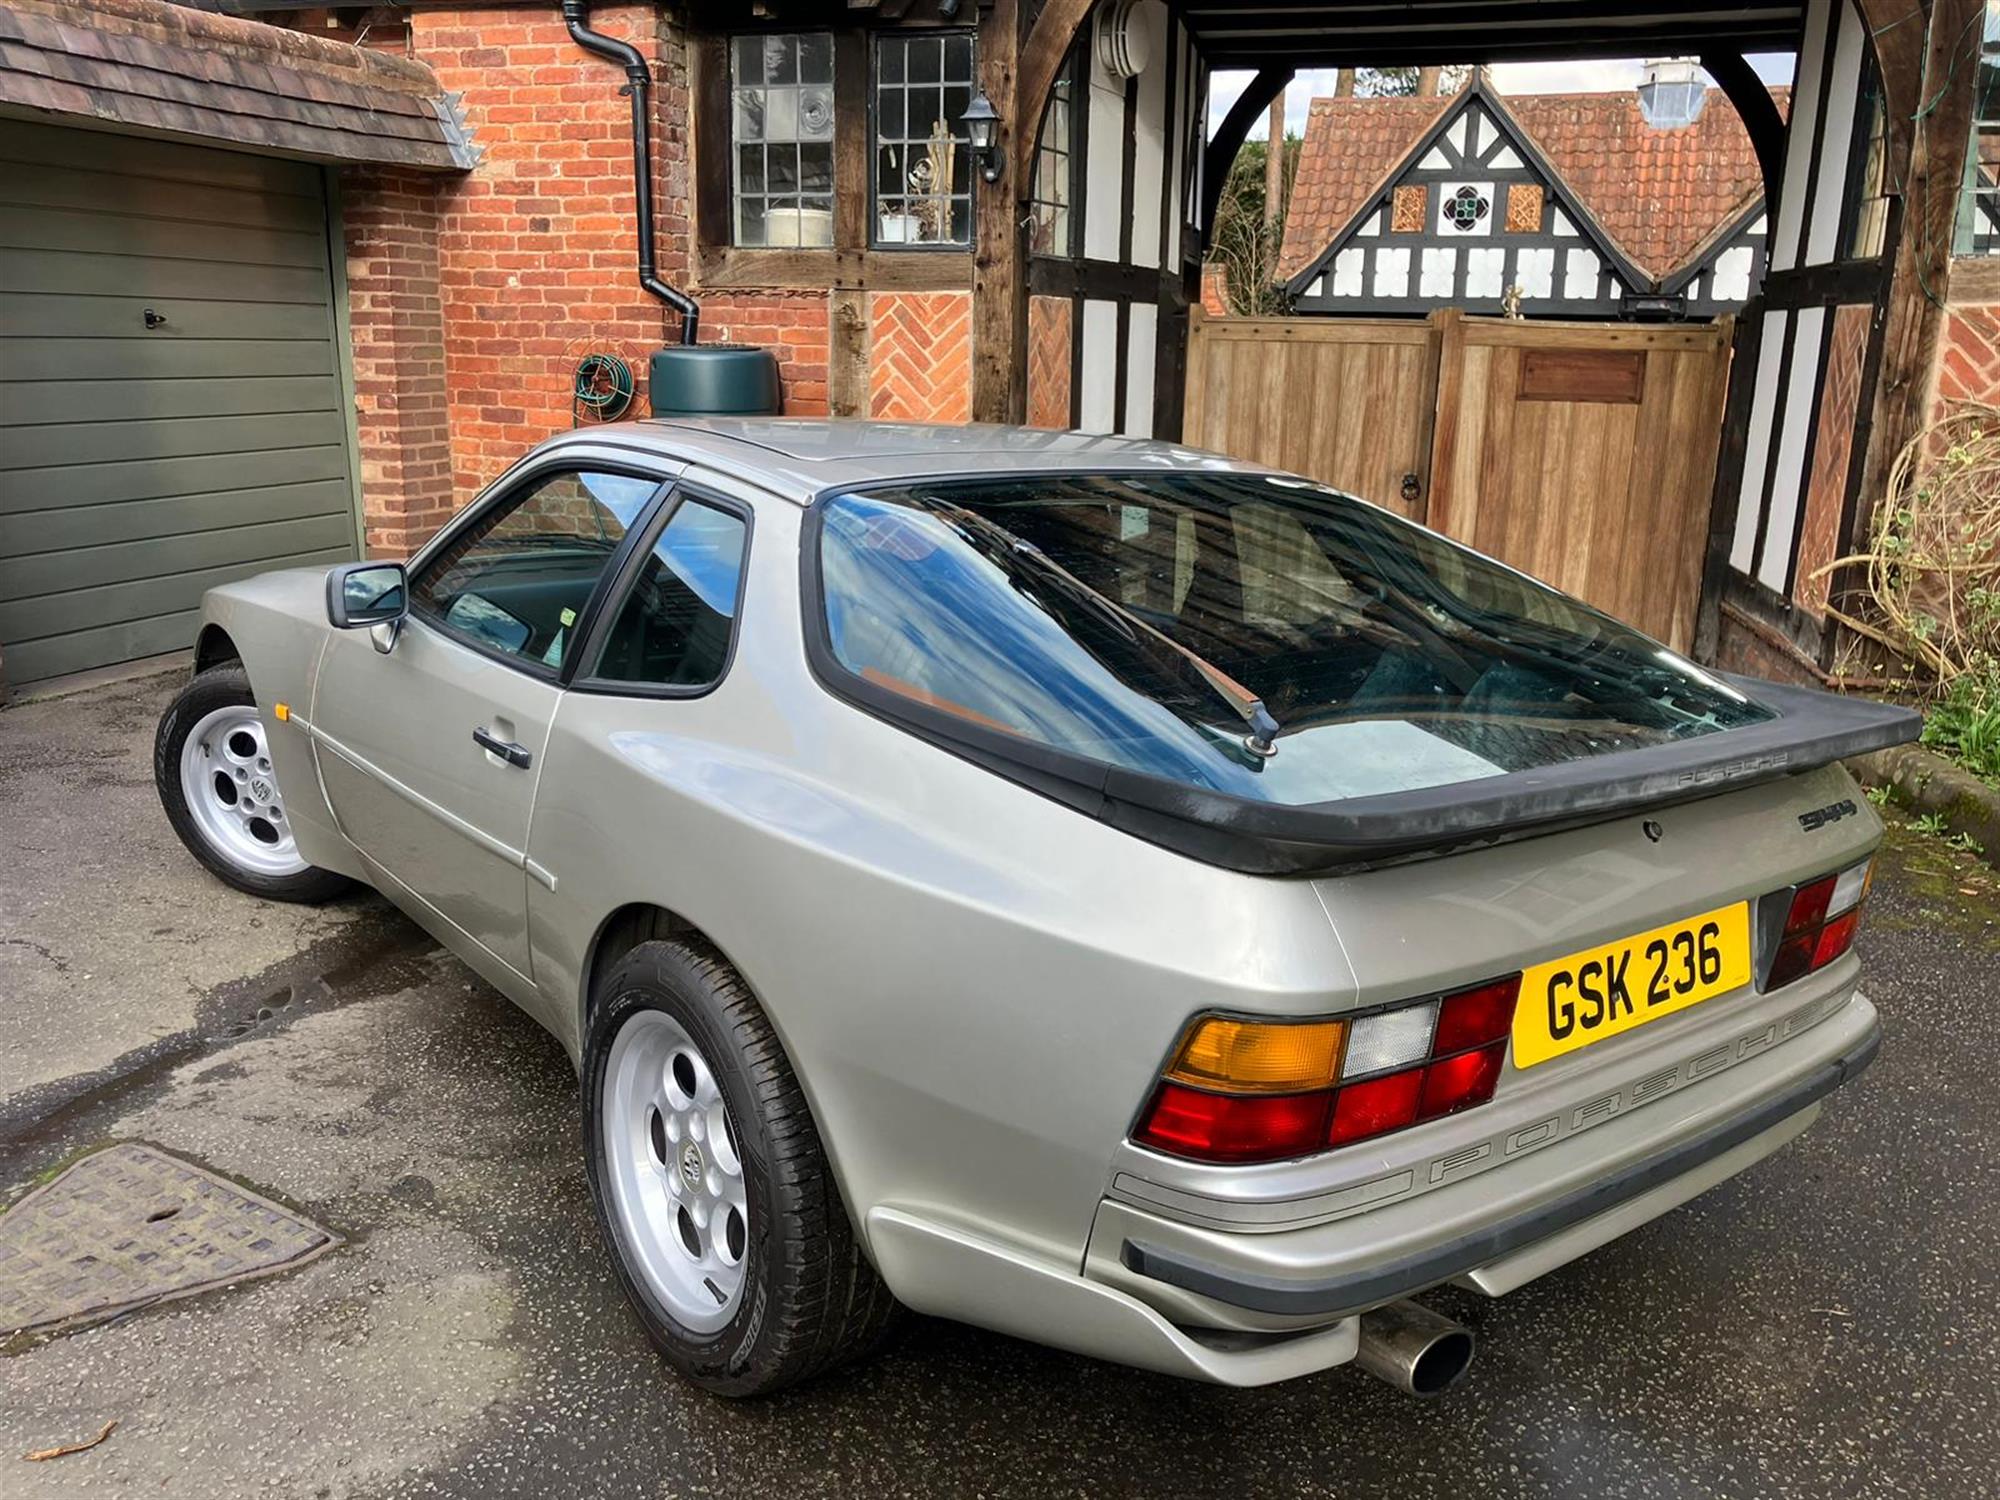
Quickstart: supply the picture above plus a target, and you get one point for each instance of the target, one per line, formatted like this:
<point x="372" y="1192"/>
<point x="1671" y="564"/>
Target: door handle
<point x="507" y="750"/>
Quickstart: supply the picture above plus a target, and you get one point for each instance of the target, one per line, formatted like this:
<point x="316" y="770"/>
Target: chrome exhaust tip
<point x="1414" y="1349"/>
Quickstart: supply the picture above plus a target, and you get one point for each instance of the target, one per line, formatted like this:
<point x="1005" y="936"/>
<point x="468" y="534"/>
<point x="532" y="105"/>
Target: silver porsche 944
<point x="1096" y="890"/>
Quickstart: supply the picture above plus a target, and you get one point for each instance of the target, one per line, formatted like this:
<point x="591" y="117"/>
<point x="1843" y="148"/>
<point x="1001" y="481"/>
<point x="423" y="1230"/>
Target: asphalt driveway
<point x="1823" y="1325"/>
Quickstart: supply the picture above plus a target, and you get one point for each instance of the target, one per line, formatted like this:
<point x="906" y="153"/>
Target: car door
<point x="430" y="752"/>
<point x="612" y="822"/>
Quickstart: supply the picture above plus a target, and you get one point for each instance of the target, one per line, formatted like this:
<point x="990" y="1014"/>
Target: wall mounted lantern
<point x="982" y="128"/>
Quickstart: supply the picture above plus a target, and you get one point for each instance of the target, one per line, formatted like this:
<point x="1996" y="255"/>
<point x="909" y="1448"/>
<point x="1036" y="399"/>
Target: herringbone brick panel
<point x="1048" y="361"/>
<point x="1969" y="365"/>
<point x="1826" y="488"/>
<point x="921" y="344"/>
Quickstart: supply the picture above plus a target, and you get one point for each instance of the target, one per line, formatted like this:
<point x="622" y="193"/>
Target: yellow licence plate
<point x="1588" y="996"/>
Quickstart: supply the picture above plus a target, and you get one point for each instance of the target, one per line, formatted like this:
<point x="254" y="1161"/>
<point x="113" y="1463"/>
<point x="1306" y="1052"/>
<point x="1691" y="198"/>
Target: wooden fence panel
<point x="1346" y="401"/>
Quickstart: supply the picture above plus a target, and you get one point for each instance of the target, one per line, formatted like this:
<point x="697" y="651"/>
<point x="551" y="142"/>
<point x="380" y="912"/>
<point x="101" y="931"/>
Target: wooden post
<point x="999" y="261"/>
<point x="1274" y="161"/>
<point x="1447" y="347"/>
<point x="1913" y="311"/>
<point x="1195" y="399"/>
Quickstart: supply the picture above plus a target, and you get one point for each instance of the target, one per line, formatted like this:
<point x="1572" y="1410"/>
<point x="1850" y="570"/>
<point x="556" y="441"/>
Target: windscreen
<point x="1136" y="620"/>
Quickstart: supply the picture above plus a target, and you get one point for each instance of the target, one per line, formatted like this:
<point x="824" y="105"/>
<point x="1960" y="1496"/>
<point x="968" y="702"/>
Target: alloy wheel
<point x="676" y="1173"/>
<point x="232" y="792"/>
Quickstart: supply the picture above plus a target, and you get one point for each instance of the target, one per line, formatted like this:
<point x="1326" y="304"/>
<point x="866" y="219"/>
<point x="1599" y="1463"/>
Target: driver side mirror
<point x="362" y="594"/>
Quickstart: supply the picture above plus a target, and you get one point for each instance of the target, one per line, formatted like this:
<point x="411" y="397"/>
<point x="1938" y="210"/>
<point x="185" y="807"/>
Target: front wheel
<point x="712" y="1189"/>
<point x="213" y="769"/>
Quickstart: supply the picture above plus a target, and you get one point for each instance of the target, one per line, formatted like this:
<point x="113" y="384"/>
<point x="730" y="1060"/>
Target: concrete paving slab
<point x="111" y="936"/>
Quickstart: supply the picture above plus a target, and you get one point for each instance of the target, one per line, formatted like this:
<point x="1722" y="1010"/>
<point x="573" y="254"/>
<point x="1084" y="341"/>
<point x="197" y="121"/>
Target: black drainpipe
<point x="638" y="84"/>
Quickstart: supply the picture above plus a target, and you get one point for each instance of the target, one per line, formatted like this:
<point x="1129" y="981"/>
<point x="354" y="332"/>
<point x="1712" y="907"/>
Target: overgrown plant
<point x="1932" y="580"/>
<point x="1965" y="722"/>
<point x="1248" y="239"/>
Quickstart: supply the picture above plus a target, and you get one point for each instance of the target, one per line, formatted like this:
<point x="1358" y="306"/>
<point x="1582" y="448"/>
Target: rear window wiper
<point x="1246" y="705"/>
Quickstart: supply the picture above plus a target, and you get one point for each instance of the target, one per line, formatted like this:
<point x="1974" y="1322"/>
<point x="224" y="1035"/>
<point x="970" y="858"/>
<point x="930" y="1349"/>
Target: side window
<point x="673" y="629"/>
<point x="517" y="582"/>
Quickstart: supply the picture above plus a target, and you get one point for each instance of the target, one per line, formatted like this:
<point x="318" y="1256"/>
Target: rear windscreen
<point x="1135" y="620"/>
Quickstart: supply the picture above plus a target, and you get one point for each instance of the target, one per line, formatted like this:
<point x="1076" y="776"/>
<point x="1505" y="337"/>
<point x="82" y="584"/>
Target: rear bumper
<point x="1356" y="1290"/>
<point x="1244" y="1307"/>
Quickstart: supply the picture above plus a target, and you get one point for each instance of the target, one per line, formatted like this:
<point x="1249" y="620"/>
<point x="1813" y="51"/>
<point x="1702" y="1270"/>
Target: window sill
<point x="1975" y="279"/>
<point x="823" y="268"/>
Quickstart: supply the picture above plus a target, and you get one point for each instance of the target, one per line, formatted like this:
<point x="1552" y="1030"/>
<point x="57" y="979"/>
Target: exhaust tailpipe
<point x="1413" y="1348"/>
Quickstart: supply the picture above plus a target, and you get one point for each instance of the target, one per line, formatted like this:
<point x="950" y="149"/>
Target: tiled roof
<point x="1350" y="148"/>
<point x="166" y="69"/>
<point x="1660" y="194"/>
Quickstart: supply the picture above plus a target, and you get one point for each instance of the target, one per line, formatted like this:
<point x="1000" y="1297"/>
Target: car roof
<point x="802" y="456"/>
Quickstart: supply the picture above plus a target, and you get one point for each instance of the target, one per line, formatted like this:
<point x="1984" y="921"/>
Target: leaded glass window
<point x="781" y="95"/>
<point x="1978" y="228"/>
<point x="1868" y="195"/>
<point x="923" y="157"/>
<point x="1049" y="203"/>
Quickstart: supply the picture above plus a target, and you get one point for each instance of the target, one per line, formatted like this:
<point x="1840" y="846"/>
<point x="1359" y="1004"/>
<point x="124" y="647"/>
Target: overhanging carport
<point x="1827" y="377"/>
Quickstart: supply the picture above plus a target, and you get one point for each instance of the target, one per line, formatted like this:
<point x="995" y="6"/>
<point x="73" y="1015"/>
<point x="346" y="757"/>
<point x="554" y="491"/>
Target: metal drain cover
<point x="129" y="1226"/>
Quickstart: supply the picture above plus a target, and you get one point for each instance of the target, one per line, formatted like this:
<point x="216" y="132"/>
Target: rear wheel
<point x="212" y="764"/>
<point x="712" y="1190"/>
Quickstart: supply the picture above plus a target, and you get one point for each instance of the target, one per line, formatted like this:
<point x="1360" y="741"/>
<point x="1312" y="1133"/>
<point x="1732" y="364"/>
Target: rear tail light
<point x="1246" y="1091"/>
<point x="1819" y="922"/>
<point x="1256" y="1057"/>
<point x="1234" y="1127"/>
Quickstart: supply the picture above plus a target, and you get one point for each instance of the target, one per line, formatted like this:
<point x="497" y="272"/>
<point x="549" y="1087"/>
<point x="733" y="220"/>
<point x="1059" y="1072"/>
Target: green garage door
<point x="170" y="392"/>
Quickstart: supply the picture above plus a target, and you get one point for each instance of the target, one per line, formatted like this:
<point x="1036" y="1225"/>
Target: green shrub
<point x="1964" y="722"/>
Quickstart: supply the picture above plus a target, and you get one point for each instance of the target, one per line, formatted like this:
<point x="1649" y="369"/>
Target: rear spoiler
<point x="1807" y="729"/>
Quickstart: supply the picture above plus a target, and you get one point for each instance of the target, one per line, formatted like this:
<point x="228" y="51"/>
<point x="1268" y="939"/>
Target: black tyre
<point x="213" y="768"/>
<point x="712" y="1189"/>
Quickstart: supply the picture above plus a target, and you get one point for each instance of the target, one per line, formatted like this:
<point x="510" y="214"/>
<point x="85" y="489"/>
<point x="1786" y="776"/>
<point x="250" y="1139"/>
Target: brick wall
<point x="1049" y="321"/>
<point x="1215" y="290"/>
<point x="396" y="323"/>
<point x="1968" y="358"/>
<point x="475" y="296"/>
<point x="792" y="325"/>
<point x="537" y="257"/>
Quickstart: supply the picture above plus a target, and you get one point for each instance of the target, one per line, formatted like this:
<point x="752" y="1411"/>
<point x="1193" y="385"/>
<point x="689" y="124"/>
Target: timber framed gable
<point x="1472" y="211"/>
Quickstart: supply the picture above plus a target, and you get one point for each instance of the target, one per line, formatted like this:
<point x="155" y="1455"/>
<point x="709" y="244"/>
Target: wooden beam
<point x="708" y="99"/>
<point x="848" y="353"/>
<point x="1939" y="87"/>
<point x="1221" y="151"/>
<point x="819" y="268"/>
<point x="999" y="258"/>
<point x="1897" y="30"/>
<point x="1759" y="114"/>
<point x="1274" y="161"/>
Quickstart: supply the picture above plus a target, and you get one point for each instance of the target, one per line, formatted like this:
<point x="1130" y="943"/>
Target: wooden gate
<point x="1581" y="453"/>
<point x="1345" y="400"/>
